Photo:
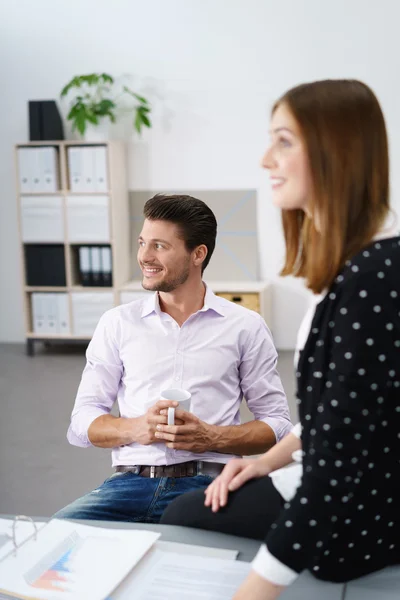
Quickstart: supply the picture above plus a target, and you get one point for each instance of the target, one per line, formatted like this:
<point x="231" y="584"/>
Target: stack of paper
<point x="167" y="575"/>
<point x="73" y="562"/>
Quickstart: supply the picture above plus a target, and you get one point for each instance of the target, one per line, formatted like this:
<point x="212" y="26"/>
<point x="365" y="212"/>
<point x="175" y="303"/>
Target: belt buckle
<point x="199" y="468"/>
<point x="152" y="471"/>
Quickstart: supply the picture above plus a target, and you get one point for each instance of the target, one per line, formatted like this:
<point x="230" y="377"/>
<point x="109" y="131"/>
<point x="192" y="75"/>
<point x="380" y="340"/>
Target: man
<point x="182" y="336"/>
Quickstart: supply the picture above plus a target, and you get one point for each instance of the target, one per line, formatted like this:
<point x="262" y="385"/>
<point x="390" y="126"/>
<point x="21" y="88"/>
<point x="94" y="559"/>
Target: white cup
<point x="181" y="396"/>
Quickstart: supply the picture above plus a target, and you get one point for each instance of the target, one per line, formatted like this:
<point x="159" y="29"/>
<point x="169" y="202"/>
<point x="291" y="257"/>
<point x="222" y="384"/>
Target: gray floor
<point x="39" y="471"/>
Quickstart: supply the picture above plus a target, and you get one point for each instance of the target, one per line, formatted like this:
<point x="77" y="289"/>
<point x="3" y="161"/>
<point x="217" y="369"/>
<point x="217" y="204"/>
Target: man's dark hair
<point x="195" y="220"/>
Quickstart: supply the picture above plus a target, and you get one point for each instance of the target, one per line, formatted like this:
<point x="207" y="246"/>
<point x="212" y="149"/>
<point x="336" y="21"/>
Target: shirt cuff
<point x="297" y="430"/>
<point x="77" y="434"/>
<point x="280" y="427"/>
<point x="272" y="569"/>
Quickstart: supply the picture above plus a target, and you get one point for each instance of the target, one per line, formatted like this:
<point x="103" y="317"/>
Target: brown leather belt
<point x="186" y="469"/>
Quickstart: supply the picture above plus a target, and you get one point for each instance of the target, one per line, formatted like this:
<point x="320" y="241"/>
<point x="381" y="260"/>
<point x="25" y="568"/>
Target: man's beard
<point x="168" y="285"/>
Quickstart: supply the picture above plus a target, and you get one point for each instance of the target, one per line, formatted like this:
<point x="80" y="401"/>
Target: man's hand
<point x="144" y="427"/>
<point x="234" y="475"/>
<point x="194" y="435"/>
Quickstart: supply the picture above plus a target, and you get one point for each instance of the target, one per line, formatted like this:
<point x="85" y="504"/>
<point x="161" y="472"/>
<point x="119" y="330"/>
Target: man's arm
<point x="254" y="437"/>
<point x="261" y="384"/>
<point x="263" y="390"/>
<point x="100" y="381"/>
<point x="108" y="431"/>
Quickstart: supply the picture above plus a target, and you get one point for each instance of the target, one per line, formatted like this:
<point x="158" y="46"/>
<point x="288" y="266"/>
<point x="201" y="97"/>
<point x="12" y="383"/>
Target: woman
<point x="329" y="170"/>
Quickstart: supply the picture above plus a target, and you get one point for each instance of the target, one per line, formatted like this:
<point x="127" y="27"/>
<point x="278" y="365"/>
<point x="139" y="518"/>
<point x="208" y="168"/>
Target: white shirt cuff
<point x="272" y="569"/>
<point x="296" y="430"/>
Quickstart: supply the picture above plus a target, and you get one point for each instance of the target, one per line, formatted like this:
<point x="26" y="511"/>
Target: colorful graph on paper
<point x="60" y="569"/>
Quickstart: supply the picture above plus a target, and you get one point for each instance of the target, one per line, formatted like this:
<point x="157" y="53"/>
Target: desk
<point x="383" y="585"/>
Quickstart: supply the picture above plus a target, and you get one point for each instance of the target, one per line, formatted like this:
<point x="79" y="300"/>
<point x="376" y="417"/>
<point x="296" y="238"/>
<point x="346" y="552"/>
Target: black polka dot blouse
<point x="344" y="518"/>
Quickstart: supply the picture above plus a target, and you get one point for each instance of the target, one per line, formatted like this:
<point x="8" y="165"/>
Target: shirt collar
<point x="211" y="302"/>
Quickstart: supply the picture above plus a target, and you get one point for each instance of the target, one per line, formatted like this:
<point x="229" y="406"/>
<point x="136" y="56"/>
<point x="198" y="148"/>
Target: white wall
<point x="212" y="69"/>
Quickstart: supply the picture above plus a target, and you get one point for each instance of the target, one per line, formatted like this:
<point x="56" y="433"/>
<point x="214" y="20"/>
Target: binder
<point x="87" y="308"/>
<point x="47" y="169"/>
<point x="75" y="169"/>
<point x="85" y="266"/>
<point x="42" y="219"/>
<point x="95" y="261"/>
<point x="88" y="169"/>
<point x="50" y="313"/>
<point x="63" y="322"/>
<point x="100" y="168"/>
<point x="61" y="559"/>
<point x="106" y="266"/>
<point x="88" y="219"/>
<point x="38" y="170"/>
<point x="45" y="264"/>
<point x="25" y="170"/>
<point x="37" y="311"/>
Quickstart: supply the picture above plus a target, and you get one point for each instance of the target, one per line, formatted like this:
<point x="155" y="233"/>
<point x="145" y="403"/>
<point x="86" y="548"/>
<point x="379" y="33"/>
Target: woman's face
<point x="287" y="162"/>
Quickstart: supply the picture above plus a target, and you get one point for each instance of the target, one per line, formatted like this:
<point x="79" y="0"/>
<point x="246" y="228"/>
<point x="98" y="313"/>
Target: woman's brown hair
<point x="344" y="133"/>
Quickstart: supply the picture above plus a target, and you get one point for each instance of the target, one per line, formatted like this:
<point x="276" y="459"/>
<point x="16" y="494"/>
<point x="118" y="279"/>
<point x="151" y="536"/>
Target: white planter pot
<point x="97" y="133"/>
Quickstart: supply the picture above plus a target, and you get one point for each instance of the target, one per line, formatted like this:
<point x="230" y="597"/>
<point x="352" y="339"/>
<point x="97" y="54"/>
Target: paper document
<point x="168" y="576"/>
<point x="70" y="561"/>
<point x="23" y="531"/>
<point x="178" y="547"/>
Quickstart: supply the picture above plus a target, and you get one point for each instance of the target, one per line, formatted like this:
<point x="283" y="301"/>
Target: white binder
<point x="50" y="313"/>
<point x="25" y="170"/>
<point x="63" y="322"/>
<point x="87" y="308"/>
<point x="88" y="219"/>
<point x="38" y="308"/>
<point x="100" y="169"/>
<point x="42" y="219"/>
<point x="47" y="169"/>
<point x="75" y="168"/>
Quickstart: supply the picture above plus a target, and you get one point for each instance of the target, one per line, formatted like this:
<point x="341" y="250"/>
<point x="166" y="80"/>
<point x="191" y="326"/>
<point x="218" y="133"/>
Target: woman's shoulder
<point x="376" y="266"/>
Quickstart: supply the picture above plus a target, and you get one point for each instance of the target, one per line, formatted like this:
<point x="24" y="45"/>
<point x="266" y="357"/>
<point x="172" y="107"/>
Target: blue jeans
<point x="130" y="497"/>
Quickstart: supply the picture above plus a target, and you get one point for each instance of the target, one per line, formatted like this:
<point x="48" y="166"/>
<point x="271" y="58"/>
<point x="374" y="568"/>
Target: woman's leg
<point x="250" y="511"/>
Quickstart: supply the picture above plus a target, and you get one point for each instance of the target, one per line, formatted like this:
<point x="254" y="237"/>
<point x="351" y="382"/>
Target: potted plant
<point x="95" y="100"/>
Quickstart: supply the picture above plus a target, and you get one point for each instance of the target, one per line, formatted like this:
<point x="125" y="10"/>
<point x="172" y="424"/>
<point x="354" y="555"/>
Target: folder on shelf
<point x="87" y="308"/>
<point x="100" y="168"/>
<point x="25" y="170"/>
<point x="63" y="322"/>
<point x="42" y="219"/>
<point x="38" y="170"/>
<point x="106" y="266"/>
<point x="75" y="169"/>
<point x="85" y="269"/>
<point x="38" y="309"/>
<point x="46" y="160"/>
<point x="88" y="219"/>
<point x="95" y="261"/>
<point x="69" y="560"/>
<point x="45" y="264"/>
<point x="50" y="313"/>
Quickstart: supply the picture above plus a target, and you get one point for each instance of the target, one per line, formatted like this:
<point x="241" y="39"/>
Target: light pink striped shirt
<point x="220" y="354"/>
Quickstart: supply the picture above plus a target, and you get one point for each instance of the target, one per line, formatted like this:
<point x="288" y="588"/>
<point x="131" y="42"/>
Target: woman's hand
<point x="234" y="475"/>
<point x="258" y="588"/>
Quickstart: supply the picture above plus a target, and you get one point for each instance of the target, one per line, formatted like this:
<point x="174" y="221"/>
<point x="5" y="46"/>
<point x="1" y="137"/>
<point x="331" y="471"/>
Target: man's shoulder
<point x="129" y="310"/>
<point x="238" y="312"/>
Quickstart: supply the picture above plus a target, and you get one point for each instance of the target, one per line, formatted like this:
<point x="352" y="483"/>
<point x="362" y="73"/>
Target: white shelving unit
<point x="111" y="192"/>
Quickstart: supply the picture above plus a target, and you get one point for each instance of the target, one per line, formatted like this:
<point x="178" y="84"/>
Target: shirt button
<point x="176" y="378"/>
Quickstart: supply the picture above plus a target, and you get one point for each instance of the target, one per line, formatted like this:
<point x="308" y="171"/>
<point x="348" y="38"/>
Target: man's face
<point x="162" y="256"/>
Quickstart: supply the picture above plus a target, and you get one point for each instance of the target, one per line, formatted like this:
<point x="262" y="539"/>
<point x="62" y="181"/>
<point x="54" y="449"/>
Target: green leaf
<point x="140" y="98"/>
<point x="146" y="121"/>
<point x="107" y="78"/>
<point x="138" y="123"/>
